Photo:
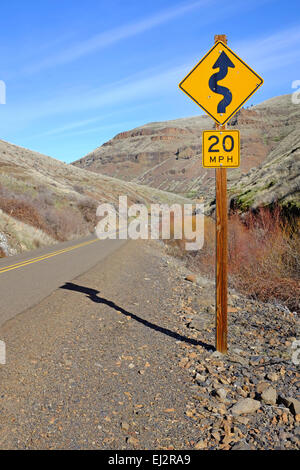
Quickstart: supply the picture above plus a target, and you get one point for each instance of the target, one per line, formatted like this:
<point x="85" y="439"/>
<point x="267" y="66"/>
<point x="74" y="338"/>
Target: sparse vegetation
<point x="59" y="221"/>
<point x="43" y="200"/>
<point x="264" y="255"/>
<point x="192" y="194"/>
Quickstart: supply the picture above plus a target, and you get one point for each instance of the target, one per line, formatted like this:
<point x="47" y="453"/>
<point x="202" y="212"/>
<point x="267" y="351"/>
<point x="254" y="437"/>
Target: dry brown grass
<point x="26" y="212"/>
<point x="264" y="256"/>
<point x="60" y="221"/>
<point x="88" y="208"/>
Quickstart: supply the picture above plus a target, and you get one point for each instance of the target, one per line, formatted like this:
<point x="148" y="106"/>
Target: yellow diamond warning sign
<point x="221" y="83"/>
<point x="221" y="149"/>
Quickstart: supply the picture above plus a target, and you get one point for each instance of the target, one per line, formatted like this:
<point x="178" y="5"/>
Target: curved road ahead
<point x="27" y="278"/>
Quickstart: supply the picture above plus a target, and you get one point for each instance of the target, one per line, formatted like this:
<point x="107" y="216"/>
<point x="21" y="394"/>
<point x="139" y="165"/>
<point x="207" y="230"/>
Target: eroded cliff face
<point x="167" y="155"/>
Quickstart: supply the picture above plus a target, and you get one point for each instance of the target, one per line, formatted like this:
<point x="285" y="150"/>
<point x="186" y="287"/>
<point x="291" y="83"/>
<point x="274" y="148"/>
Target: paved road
<point x="95" y="364"/>
<point x="28" y="278"/>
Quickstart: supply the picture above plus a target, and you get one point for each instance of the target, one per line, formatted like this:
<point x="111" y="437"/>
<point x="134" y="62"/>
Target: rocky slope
<point x="277" y="180"/>
<point x="167" y="155"/>
<point x="43" y="200"/>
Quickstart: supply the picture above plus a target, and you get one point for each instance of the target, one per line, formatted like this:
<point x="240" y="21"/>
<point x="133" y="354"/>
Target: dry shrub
<point x="78" y="188"/>
<point x="88" y="208"/>
<point x="2" y="254"/>
<point x="37" y="243"/>
<point x="45" y="197"/>
<point x="25" y="212"/>
<point x="65" y="223"/>
<point x="61" y="223"/>
<point x="204" y="257"/>
<point x="263" y="255"/>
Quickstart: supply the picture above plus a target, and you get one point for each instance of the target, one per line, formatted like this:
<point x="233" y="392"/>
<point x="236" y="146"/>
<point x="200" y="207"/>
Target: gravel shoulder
<point x="122" y="358"/>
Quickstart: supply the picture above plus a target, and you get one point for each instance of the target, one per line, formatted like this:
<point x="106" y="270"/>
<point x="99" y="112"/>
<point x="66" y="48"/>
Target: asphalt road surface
<point x="28" y="278"/>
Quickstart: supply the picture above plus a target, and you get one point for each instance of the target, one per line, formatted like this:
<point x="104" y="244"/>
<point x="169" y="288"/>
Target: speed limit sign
<point x="221" y="148"/>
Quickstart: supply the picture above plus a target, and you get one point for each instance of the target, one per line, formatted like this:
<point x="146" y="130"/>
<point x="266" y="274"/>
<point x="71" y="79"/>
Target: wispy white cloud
<point x="107" y="38"/>
<point x="76" y="126"/>
<point x="148" y="85"/>
<point x="265" y="54"/>
<point x="69" y="127"/>
<point x="100" y="129"/>
<point x="271" y="52"/>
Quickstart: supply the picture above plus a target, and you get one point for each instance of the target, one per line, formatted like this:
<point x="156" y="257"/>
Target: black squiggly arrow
<point x="223" y="62"/>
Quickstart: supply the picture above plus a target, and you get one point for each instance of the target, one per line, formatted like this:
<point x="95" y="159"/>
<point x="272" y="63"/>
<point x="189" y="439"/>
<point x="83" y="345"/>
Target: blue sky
<point x="79" y="72"/>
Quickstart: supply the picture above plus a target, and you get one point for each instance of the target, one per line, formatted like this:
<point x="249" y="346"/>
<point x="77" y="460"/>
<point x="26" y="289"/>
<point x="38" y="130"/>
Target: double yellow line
<point x="46" y="256"/>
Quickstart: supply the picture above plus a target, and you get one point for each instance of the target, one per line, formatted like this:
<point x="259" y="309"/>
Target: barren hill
<point x="277" y="180"/>
<point x="167" y="155"/>
<point x="43" y="200"/>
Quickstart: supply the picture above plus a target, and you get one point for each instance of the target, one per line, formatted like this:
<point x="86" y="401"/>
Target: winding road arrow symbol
<point x="223" y="63"/>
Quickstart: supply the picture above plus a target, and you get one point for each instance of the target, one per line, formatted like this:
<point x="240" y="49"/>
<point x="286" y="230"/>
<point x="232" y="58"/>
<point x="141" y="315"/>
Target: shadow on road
<point x="92" y="294"/>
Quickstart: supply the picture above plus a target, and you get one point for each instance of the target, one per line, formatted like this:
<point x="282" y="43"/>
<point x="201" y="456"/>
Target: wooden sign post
<point x="221" y="247"/>
<point x="221" y="149"/>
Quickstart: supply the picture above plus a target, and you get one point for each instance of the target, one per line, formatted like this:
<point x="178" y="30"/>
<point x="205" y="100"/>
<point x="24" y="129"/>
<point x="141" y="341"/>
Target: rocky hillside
<point x="277" y="180"/>
<point x="167" y="155"/>
<point x="43" y="200"/>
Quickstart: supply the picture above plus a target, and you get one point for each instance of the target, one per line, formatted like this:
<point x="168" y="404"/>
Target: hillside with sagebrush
<point x="43" y="200"/>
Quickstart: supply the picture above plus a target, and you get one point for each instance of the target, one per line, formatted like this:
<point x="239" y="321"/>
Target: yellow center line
<point x="46" y="256"/>
<point x="21" y="264"/>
